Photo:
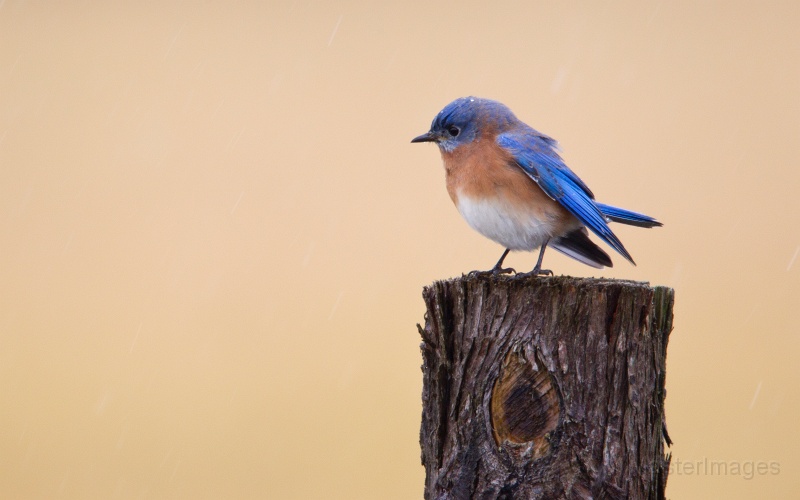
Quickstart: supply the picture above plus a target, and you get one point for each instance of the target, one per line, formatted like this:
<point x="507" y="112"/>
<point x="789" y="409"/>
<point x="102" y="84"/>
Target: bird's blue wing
<point x="536" y="155"/>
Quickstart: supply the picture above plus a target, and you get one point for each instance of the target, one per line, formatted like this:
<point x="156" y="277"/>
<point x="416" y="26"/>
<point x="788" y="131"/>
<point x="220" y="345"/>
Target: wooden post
<point x="544" y="388"/>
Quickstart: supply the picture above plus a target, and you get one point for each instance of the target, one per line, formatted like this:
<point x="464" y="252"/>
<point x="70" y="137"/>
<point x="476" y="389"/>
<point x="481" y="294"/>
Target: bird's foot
<point x="535" y="272"/>
<point x="495" y="271"/>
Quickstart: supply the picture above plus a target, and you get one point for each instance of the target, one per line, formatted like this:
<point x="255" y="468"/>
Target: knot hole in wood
<point x="525" y="407"/>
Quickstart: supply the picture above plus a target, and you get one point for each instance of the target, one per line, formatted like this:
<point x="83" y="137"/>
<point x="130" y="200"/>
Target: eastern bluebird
<point x="510" y="184"/>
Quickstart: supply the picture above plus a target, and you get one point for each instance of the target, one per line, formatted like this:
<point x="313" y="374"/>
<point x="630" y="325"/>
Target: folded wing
<point x="536" y="155"/>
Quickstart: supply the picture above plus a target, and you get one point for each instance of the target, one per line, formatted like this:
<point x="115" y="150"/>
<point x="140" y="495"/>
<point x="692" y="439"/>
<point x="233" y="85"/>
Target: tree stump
<point x="547" y="387"/>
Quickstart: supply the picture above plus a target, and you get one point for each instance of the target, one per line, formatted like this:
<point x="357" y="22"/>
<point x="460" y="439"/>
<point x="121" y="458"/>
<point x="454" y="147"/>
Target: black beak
<point x="426" y="137"/>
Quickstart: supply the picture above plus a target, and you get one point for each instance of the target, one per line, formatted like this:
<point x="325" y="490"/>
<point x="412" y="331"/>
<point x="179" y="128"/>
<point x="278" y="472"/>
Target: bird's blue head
<point x="466" y="119"/>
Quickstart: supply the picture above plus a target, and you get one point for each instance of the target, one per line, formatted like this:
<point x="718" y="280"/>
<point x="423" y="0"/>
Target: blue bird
<point x="510" y="184"/>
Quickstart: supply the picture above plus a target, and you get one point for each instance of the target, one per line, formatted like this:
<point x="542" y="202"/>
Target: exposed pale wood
<point x="544" y="388"/>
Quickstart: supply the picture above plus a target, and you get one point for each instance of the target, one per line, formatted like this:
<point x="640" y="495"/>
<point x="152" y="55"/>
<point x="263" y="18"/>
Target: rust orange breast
<point x="482" y="170"/>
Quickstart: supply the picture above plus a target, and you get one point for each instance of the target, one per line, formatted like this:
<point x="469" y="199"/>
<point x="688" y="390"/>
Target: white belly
<point x="498" y="221"/>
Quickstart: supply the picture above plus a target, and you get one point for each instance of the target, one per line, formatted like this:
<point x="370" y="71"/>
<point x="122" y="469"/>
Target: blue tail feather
<point x="626" y="216"/>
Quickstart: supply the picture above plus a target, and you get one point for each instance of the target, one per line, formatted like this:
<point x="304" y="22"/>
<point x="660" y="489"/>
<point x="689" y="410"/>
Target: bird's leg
<point x="537" y="270"/>
<point x="498" y="268"/>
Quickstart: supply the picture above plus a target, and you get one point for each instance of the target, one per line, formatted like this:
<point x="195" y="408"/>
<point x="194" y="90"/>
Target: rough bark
<point x="544" y="388"/>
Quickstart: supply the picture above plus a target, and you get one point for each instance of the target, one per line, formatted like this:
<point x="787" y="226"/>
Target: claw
<point x="534" y="273"/>
<point x="503" y="270"/>
<point x="495" y="271"/>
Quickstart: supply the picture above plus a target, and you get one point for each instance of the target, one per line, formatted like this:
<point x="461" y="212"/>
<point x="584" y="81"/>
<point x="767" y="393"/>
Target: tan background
<point x="214" y="231"/>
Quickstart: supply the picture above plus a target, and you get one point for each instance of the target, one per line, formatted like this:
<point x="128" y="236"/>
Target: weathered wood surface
<point x="544" y="388"/>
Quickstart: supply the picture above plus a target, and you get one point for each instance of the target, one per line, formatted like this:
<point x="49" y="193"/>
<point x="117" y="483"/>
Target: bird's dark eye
<point x="453" y="131"/>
